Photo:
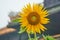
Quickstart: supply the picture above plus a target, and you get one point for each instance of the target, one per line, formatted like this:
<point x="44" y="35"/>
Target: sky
<point x="12" y="5"/>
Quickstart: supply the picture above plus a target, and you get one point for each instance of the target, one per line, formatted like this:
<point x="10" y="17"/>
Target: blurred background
<point x="9" y="10"/>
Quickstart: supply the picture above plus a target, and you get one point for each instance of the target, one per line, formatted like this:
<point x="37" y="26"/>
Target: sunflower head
<point x="33" y="17"/>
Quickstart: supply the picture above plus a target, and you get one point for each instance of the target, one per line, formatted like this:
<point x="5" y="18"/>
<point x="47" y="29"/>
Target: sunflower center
<point x="33" y="18"/>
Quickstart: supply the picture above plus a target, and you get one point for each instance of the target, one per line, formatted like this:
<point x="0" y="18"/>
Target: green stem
<point x="29" y="36"/>
<point x="35" y="36"/>
<point x="44" y="37"/>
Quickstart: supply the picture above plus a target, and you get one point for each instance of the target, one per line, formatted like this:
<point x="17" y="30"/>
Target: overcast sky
<point x="12" y="5"/>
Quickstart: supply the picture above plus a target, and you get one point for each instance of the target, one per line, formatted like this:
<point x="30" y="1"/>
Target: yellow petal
<point x="42" y="28"/>
<point x="44" y="20"/>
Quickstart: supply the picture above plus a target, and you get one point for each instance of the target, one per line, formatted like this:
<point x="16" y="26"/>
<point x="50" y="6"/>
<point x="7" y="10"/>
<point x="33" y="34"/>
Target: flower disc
<point x="33" y="18"/>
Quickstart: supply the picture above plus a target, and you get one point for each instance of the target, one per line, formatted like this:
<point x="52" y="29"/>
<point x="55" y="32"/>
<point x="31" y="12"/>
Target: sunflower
<point x="33" y="17"/>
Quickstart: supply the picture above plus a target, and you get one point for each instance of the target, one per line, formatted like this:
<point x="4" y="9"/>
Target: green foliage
<point x="22" y="30"/>
<point x="47" y="37"/>
<point x="16" y="20"/>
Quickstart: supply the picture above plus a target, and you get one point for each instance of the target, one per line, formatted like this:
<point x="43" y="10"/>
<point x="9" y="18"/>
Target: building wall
<point x="48" y="3"/>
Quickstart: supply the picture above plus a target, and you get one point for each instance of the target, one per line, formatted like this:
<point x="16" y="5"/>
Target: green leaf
<point x="22" y="30"/>
<point x="15" y="20"/>
<point x="47" y="37"/>
<point x="50" y="38"/>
